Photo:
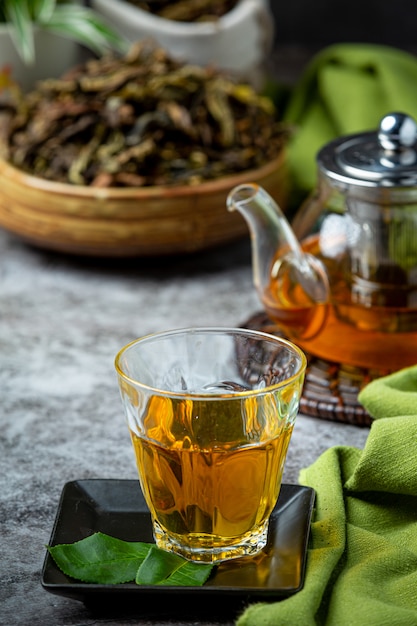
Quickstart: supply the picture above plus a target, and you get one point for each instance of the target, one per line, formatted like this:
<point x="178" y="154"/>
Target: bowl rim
<point x="57" y="188"/>
<point x="146" y="21"/>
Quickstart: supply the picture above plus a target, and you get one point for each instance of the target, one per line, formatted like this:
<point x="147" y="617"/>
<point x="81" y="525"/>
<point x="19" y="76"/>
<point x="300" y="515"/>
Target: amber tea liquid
<point x="381" y="335"/>
<point x="202" y="490"/>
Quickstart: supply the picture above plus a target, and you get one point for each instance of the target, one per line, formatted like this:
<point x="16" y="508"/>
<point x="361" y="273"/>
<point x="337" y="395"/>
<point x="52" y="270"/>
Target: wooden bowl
<point x="122" y="222"/>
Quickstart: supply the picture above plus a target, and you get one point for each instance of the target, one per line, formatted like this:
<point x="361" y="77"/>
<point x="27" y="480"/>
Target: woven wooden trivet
<point x="330" y="389"/>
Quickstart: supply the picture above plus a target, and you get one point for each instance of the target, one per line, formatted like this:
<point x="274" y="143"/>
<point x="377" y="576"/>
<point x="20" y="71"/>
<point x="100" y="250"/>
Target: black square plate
<point x="117" y="508"/>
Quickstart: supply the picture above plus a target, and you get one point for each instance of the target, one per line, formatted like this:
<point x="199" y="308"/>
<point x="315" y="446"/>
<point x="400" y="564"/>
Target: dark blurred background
<point x="321" y="22"/>
<point x="302" y="27"/>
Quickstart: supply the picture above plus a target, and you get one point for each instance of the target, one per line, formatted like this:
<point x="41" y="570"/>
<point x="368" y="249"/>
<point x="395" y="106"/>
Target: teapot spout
<point x="284" y="275"/>
<point x="269" y="229"/>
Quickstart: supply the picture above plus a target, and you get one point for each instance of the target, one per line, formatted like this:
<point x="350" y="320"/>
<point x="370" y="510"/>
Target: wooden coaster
<point x="330" y="389"/>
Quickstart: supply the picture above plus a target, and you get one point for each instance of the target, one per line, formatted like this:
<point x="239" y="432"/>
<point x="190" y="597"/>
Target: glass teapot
<point x="342" y="281"/>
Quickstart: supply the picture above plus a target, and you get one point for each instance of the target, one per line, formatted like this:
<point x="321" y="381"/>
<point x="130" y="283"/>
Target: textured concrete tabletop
<point x="62" y="320"/>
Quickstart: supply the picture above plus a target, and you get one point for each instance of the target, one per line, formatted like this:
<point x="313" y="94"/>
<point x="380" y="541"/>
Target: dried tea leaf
<point x="221" y="111"/>
<point x="186" y="11"/>
<point x="139" y="120"/>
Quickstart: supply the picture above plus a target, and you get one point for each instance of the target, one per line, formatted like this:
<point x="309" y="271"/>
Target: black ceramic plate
<point x="117" y="508"/>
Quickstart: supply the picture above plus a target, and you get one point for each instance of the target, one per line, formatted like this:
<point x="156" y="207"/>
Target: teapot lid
<point x="383" y="158"/>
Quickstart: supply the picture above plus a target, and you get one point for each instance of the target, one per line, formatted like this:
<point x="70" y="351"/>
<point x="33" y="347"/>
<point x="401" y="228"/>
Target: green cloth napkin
<point x="346" y="88"/>
<point x="362" y="557"/>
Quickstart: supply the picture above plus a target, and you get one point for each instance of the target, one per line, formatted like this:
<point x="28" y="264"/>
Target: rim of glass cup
<point x="212" y="329"/>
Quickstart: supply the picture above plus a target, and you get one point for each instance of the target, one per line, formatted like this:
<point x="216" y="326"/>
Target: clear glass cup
<point x="210" y="413"/>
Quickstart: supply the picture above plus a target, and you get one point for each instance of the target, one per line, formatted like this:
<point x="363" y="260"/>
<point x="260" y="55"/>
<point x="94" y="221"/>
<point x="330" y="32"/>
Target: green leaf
<point x="72" y="20"/>
<point x="100" y="559"/>
<point x="157" y="566"/>
<point x="81" y="24"/>
<point x="106" y="560"/>
<point x="190" y="574"/>
<point x="167" y="568"/>
<point x="41" y="10"/>
<point x="19" y="19"/>
<point x="33" y="8"/>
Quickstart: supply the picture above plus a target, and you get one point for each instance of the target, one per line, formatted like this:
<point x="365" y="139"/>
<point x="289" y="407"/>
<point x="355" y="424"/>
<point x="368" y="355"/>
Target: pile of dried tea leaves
<point x="141" y="120"/>
<point x="186" y="10"/>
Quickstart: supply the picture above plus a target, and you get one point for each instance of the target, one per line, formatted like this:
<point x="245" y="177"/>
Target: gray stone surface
<point x="62" y="320"/>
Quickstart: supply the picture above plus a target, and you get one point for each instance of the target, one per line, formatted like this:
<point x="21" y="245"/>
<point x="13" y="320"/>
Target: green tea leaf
<point x="190" y="574"/>
<point x="100" y="559"/>
<point x="106" y="560"/>
<point x="166" y="568"/>
<point x="157" y="566"/>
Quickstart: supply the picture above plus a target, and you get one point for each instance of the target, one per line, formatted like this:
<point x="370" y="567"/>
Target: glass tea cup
<point x="210" y="413"/>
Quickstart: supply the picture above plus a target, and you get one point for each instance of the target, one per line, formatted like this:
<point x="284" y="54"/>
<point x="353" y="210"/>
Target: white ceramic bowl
<point x="239" y="42"/>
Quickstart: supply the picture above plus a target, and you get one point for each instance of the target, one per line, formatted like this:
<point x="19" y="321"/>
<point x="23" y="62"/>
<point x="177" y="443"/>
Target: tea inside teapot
<point x="358" y="233"/>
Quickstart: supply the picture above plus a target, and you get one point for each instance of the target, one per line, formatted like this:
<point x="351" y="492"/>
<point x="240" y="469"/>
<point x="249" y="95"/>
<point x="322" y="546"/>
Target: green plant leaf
<point x="41" y="10"/>
<point x="167" y="568"/>
<point x="103" y="559"/>
<point x="100" y="559"/>
<point x="68" y="19"/>
<point x="18" y="16"/>
<point x="34" y="9"/>
<point x="81" y="24"/>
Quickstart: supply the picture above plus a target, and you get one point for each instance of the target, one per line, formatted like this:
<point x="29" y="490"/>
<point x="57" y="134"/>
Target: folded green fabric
<point x="362" y="558"/>
<point x="346" y="88"/>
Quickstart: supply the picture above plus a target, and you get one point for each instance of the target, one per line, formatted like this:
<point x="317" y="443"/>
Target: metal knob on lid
<point x="397" y="131"/>
<point x="383" y="158"/>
